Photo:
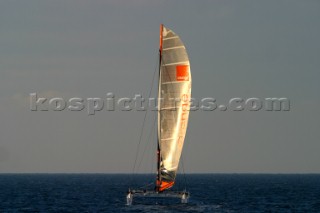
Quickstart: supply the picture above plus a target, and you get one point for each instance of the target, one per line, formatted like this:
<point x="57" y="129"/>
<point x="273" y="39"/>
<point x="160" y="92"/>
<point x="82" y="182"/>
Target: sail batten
<point x="173" y="37"/>
<point x="174" y="93"/>
<point x="175" y="63"/>
<point x="172" y="48"/>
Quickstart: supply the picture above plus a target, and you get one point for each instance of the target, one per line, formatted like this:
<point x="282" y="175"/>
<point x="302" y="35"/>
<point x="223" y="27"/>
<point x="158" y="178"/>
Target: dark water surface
<point x="209" y="193"/>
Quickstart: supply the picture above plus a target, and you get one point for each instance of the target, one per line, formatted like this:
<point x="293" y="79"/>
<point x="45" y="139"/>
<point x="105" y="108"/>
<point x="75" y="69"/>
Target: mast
<point x="158" y="182"/>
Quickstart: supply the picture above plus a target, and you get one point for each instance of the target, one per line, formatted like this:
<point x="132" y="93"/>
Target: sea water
<point x="209" y="193"/>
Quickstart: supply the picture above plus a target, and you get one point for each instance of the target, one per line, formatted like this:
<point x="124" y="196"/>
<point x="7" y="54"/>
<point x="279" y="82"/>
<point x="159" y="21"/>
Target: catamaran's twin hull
<point x="184" y="196"/>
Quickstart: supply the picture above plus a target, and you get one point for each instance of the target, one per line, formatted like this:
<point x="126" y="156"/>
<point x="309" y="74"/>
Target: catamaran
<point x="174" y="91"/>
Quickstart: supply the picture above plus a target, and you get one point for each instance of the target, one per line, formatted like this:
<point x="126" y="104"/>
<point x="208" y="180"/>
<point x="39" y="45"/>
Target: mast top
<point x="161" y="37"/>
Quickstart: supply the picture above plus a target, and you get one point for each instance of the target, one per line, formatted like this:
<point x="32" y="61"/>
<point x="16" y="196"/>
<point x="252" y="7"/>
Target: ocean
<point x="209" y="193"/>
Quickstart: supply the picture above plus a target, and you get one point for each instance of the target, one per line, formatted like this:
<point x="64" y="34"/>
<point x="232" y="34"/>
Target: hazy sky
<point x="85" y="49"/>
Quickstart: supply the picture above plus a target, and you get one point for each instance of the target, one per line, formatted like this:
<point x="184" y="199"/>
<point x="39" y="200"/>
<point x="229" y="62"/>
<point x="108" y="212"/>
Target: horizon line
<point x="193" y="173"/>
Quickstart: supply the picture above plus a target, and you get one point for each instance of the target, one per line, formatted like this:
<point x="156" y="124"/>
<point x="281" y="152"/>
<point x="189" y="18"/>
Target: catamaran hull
<point x="183" y="196"/>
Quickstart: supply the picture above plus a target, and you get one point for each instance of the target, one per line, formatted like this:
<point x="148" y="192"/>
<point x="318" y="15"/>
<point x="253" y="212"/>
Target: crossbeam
<point x="183" y="195"/>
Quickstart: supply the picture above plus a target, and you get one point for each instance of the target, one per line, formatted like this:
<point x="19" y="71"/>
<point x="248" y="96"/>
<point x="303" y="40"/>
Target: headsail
<point x="174" y="85"/>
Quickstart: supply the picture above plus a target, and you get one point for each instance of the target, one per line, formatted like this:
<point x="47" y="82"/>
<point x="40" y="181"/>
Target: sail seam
<point x="166" y="139"/>
<point x="173" y="82"/>
<point x="173" y="37"/>
<point x="181" y="62"/>
<point x="172" y="48"/>
<point x="175" y="107"/>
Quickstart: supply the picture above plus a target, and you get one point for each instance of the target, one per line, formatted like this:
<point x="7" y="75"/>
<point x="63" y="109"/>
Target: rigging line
<point x="143" y="123"/>
<point x="148" y="141"/>
<point x="155" y="150"/>
<point x="145" y="186"/>
<point x="183" y="171"/>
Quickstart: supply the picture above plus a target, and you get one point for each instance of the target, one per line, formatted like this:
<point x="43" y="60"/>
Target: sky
<point x="86" y="49"/>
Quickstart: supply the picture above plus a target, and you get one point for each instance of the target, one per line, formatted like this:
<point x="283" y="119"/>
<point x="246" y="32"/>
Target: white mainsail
<point x="173" y="109"/>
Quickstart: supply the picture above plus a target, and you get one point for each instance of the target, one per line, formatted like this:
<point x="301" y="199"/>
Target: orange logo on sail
<point x="182" y="73"/>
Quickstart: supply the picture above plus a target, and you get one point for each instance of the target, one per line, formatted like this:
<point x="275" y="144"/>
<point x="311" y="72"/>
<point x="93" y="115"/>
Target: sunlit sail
<point x="173" y="114"/>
